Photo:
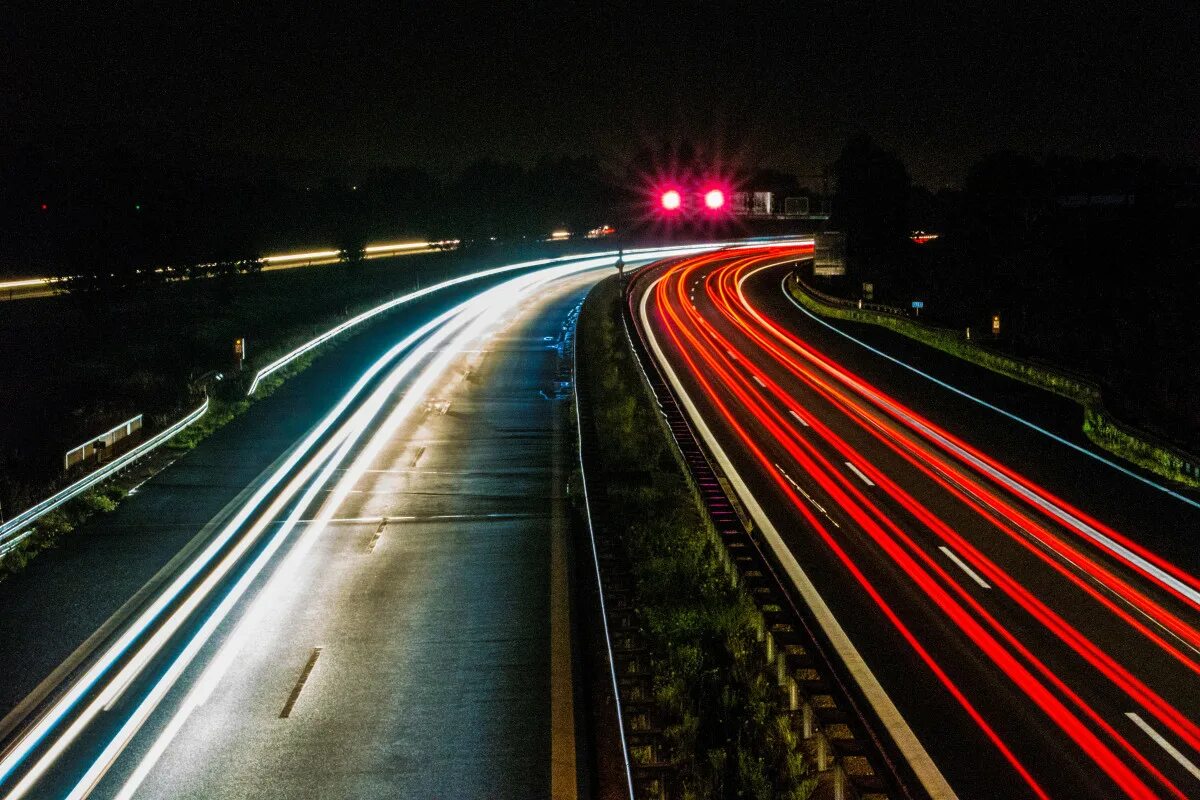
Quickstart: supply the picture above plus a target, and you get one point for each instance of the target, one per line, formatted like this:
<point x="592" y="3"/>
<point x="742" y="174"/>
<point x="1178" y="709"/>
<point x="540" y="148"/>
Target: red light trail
<point x="736" y="381"/>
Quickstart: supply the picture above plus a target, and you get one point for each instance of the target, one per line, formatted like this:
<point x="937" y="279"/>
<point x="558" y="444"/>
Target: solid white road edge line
<point x="910" y="747"/>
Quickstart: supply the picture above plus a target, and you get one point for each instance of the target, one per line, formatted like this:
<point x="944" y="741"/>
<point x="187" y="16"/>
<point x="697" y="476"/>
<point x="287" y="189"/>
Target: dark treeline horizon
<point x="121" y="211"/>
<point x="117" y="210"/>
<point x="1091" y="264"/>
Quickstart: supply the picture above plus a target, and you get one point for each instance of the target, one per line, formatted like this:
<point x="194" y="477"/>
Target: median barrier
<point x="824" y="719"/>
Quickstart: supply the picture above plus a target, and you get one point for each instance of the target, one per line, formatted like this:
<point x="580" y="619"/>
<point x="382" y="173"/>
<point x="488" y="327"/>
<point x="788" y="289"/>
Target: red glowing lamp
<point x="671" y="200"/>
<point x="714" y="199"/>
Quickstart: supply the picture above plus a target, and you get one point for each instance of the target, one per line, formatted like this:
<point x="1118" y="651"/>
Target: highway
<point x="1022" y="618"/>
<point x="375" y="606"/>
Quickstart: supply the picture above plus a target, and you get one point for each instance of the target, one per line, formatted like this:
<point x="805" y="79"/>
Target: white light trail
<point x="470" y="321"/>
<point x="58" y="712"/>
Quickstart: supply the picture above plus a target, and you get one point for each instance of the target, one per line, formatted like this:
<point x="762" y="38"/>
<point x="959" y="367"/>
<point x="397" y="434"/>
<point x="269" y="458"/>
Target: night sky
<point x="439" y="84"/>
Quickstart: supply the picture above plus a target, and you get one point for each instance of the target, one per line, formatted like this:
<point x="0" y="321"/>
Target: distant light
<point x="45" y="207"/>
<point x="714" y="199"/>
<point x="671" y="199"/>
<point x="559" y="235"/>
<point x="137" y="206"/>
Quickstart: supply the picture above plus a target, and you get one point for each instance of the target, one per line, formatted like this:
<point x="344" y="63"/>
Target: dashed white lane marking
<point x="860" y="474"/>
<point x="797" y="417"/>
<point x="378" y="533"/>
<point x="807" y="496"/>
<point x="910" y="747"/>
<point x="1183" y="760"/>
<point x="950" y="554"/>
<point x="295" y="695"/>
<point x="759" y="381"/>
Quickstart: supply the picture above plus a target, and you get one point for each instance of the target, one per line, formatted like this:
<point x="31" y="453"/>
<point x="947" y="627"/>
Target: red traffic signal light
<point x="714" y="199"/>
<point x="671" y="200"/>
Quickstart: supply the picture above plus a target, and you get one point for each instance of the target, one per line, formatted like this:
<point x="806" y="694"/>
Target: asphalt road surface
<point x="1023" y="618"/>
<point x="410" y="655"/>
<point x="365" y="596"/>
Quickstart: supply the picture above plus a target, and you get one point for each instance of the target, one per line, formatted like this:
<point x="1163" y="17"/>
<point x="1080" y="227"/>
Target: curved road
<point x="1024" y="619"/>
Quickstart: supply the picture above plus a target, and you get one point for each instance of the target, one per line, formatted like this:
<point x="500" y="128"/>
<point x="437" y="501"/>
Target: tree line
<point x="1093" y="264"/>
<point x="119" y="216"/>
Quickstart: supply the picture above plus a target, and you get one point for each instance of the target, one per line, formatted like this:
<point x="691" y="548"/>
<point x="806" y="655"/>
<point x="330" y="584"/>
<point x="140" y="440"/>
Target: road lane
<point x="1017" y="666"/>
<point x="429" y="598"/>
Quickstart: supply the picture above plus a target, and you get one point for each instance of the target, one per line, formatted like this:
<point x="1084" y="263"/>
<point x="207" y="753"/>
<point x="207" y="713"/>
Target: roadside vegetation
<point x="1091" y="265"/>
<point x="76" y="365"/>
<point x="1099" y="425"/>
<point x="724" y="726"/>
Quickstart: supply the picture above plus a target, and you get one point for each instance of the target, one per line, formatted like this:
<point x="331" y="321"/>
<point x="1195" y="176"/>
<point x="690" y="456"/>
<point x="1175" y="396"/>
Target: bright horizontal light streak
<point x="25" y="282"/>
<point x="302" y="256"/>
<point x="387" y="248"/>
<point x="471" y="318"/>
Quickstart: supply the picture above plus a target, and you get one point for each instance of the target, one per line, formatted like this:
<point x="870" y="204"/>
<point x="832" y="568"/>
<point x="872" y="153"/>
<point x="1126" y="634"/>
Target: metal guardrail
<point x="16" y="529"/>
<point x="794" y="646"/>
<point x="587" y="509"/>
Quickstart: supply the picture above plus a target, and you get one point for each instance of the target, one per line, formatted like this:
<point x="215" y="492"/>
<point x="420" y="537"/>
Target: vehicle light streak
<point x="1049" y="434"/>
<point x="175" y="590"/>
<point x="696" y="340"/>
<point x="297" y="469"/>
<point x="467" y="324"/>
<point x="851" y="500"/>
<point x="731" y="420"/>
<point x="1022" y="522"/>
<point x="1180" y="725"/>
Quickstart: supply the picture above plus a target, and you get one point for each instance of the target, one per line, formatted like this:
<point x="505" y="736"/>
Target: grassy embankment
<point x="1098" y="424"/>
<point x="281" y="310"/>
<point x="724" y="723"/>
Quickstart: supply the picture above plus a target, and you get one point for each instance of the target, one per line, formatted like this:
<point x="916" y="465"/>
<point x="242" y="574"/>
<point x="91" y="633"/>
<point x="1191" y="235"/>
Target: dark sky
<point x="438" y="84"/>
